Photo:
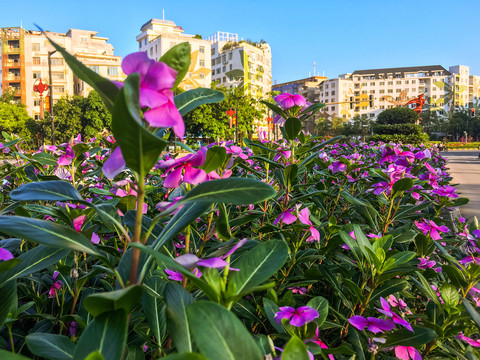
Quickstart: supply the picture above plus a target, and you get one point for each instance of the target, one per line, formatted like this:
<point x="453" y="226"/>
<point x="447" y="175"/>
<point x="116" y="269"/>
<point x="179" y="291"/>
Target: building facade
<point x="242" y="64"/>
<point x="158" y="36"/>
<point x="25" y="56"/>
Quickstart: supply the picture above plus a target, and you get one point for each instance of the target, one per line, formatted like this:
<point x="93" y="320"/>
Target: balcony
<point x="11" y="77"/>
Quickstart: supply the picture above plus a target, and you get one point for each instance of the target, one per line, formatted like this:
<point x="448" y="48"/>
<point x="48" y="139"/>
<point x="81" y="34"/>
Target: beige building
<point x="241" y="63"/>
<point x="158" y="36"/>
<point x="25" y="56"/>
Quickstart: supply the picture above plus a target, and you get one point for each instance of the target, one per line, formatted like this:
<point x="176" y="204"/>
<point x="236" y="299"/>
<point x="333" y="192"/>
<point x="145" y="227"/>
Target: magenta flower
<point x="446" y="191"/>
<point x="115" y="164"/>
<point x="385" y="310"/>
<point x="320" y="343"/>
<point x="337" y="166"/>
<point x="95" y="239"/>
<point x="372" y="324"/>
<point x="429" y="228"/>
<point x="407" y="353"/>
<point x="469" y="259"/>
<point x="474" y="343"/>
<point x="425" y="263"/>
<point x="286" y="217"/>
<point x="67" y="158"/>
<point x="402" y="305"/>
<point x="5" y="255"/>
<point x="297" y="317"/>
<point x="287" y="100"/>
<point x="156" y="82"/>
<point x="184" y="169"/>
<point x="78" y="222"/>
<point x="177" y="276"/>
<point x="57" y="285"/>
<point x="304" y="217"/>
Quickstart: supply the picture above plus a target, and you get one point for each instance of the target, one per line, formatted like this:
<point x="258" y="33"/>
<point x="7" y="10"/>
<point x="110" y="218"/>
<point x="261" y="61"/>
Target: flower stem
<point x="138" y="227"/>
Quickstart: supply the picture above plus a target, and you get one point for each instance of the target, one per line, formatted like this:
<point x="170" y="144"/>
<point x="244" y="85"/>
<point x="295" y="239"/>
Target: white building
<point x="158" y="36"/>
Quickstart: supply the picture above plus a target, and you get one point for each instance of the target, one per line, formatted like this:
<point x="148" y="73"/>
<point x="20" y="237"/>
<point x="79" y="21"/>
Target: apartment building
<point x="158" y="36"/>
<point x="244" y="64"/>
<point x="25" y="55"/>
<point x="374" y="90"/>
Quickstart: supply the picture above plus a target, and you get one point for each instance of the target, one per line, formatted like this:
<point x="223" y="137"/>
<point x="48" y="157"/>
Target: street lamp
<point x="237" y="97"/>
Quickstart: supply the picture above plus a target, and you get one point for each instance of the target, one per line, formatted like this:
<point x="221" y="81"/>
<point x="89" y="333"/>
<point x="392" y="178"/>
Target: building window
<point x="83" y="39"/>
<point x="213" y="51"/>
<point x="95" y="68"/>
<point x="230" y="66"/>
<point x="230" y="55"/>
<point x="37" y="116"/>
<point x="390" y="83"/>
<point x="224" y="79"/>
<point x="202" y="76"/>
<point x="37" y="74"/>
<point x="390" y="91"/>
<point x="364" y="84"/>
<point x="224" y="68"/>
<point x="326" y="93"/>
<point x="58" y="90"/>
<point x="35" y="47"/>
<point x="139" y="44"/>
<point x="145" y="41"/>
<point x="407" y="81"/>
<point x="364" y="91"/>
<point x="326" y="86"/>
<point x="414" y="81"/>
<point x="36" y="102"/>
<point x="112" y="71"/>
<point x="382" y="107"/>
<point x="56" y="61"/>
<point x="213" y="72"/>
<point x="36" y="60"/>
<point x="58" y="75"/>
<point x="151" y="50"/>
<point x="333" y="92"/>
<point x="218" y="71"/>
<point x="398" y="90"/>
<point x="382" y="91"/>
<point x="382" y="83"/>
<point x="202" y="63"/>
<point x="201" y="49"/>
<point x="399" y="82"/>
<point x="372" y="84"/>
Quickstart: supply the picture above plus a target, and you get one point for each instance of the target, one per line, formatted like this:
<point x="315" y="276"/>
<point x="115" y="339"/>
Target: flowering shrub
<point x="296" y="249"/>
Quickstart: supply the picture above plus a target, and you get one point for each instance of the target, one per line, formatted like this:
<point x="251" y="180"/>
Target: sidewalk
<point x="465" y="170"/>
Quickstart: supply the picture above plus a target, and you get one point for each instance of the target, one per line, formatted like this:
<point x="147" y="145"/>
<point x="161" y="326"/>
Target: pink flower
<point x="297" y="317"/>
<point x="385" y="310"/>
<point x="184" y="169"/>
<point x="425" y="264"/>
<point x="474" y="343"/>
<point x="407" y="353"/>
<point x="372" y="324"/>
<point x="115" y="164"/>
<point x="285" y="217"/>
<point x="5" y="255"/>
<point x="156" y="82"/>
<point x="432" y="229"/>
<point x="78" y="222"/>
<point x="67" y="158"/>
<point x="57" y="285"/>
<point x="320" y="343"/>
<point x="95" y="239"/>
<point x="287" y="100"/>
<point x="304" y="217"/>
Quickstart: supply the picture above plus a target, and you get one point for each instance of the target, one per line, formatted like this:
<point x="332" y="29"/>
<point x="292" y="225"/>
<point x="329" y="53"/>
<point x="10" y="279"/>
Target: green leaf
<point x="46" y="233"/>
<point x="135" y="353"/>
<point x="472" y="312"/>
<point x="8" y="355"/>
<point x="295" y="350"/>
<point x="357" y="344"/>
<point x="215" y="158"/>
<point x="106" y="89"/>
<point x="50" y="346"/>
<point x="154" y="308"/>
<point x="292" y="127"/>
<point x="178" y="58"/>
<point x="290" y="174"/>
<point x="398" y="259"/>
<point x="140" y="147"/>
<point x="189" y="100"/>
<point x="123" y="299"/>
<point x="219" y="334"/>
<point x="404" y="337"/>
<point x="107" y="334"/>
<point x="55" y="190"/>
<point x="270" y="310"/>
<point x="185" y="356"/>
<point x="276" y="109"/>
<point x="45" y="158"/>
<point x="402" y="185"/>
<point x="449" y="294"/>
<point x="178" y="299"/>
<point x="236" y="191"/>
<point x="222" y="224"/>
<point x="33" y="261"/>
<point x="9" y="300"/>
<point x="388" y="288"/>
<point x="256" y="266"/>
<point x="95" y="355"/>
<point x="321" y="305"/>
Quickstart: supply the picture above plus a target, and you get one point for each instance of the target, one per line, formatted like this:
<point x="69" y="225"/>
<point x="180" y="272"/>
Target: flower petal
<point x="115" y="164"/>
<point x="5" y="255"/>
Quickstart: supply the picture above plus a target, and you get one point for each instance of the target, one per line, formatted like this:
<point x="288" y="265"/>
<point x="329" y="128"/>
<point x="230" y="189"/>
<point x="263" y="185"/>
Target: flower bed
<point x="295" y="249"/>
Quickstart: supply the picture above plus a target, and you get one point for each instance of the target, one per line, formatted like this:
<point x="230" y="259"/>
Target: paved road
<point x="465" y="170"/>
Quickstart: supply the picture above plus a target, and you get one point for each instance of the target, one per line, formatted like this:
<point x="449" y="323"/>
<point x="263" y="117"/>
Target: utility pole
<point x="50" y="53"/>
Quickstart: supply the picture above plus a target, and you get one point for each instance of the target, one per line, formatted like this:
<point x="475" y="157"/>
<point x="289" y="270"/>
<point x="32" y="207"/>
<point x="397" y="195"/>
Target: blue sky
<point x="340" y="36"/>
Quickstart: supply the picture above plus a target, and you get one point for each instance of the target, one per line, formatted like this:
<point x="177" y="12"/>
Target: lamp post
<point x="40" y="87"/>
<point x="50" y="53"/>
<point x="237" y="97"/>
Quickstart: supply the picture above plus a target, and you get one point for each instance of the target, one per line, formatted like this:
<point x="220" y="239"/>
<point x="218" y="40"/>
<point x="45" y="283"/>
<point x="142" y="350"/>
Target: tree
<point x="399" y="125"/>
<point x="361" y="125"/>
<point x="14" y="117"/>
<point x="329" y="127"/>
<point x="96" y="117"/>
<point x="397" y="115"/>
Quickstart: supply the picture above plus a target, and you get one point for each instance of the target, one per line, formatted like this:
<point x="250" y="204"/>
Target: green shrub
<point x="398" y="115"/>
<point x="398" y="129"/>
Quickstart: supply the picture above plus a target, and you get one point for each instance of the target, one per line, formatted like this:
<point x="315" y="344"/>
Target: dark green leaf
<point x="50" y="346"/>
<point x="402" y="185"/>
<point x="472" y="312"/>
<point x="126" y="299"/>
<point x="178" y="58"/>
<point x="256" y="266"/>
<point x="237" y="191"/>
<point x="9" y="300"/>
<point x="140" y="147"/>
<point x="404" y="337"/>
<point x="189" y="100"/>
<point x="8" y="355"/>
<point x="45" y="159"/>
<point x="449" y="294"/>
<point x="290" y="174"/>
<point x="107" y="334"/>
<point x="46" y="233"/>
<point x="185" y="356"/>
<point x="55" y="190"/>
<point x="154" y="307"/>
<point x="222" y="224"/>
<point x="292" y="127"/>
<point x="215" y="158"/>
<point x="33" y="261"/>
<point x="270" y="310"/>
<point x="219" y="334"/>
<point x="321" y="305"/>
<point x="178" y="299"/>
<point x="295" y="350"/>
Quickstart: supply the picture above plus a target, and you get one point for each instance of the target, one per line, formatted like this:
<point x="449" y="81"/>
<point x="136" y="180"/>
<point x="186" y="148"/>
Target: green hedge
<point x="404" y="139"/>
<point x="398" y="129"/>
